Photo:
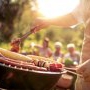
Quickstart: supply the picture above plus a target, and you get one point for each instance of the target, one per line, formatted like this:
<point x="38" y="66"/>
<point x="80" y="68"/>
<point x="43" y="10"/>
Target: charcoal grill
<point x="17" y="78"/>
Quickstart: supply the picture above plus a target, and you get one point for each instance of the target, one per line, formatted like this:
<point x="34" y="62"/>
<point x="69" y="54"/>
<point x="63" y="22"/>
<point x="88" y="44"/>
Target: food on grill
<point x="41" y="61"/>
<point x="15" y="69"/>
<point x="68" y="62"/>
<point x="50" y="64"/>
<point x="19" y="77"/>
<point x="30" y="62"/>
<point x="13" y="55"/>
<point x="20" y="64"/>
<point x="55" y="67"/>
<point x="41" y="58"/>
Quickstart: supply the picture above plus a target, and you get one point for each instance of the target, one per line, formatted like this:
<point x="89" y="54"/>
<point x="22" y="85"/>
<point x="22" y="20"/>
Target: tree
<point x="9" y="11"/>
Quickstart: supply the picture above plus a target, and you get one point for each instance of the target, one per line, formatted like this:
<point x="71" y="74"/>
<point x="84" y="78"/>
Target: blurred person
<point x="33" y="50"/>
<point x="81" y="14"/>
<point x="58" y="53"/>
<point x="44" y="49"/>
<point x="72" y="54"/>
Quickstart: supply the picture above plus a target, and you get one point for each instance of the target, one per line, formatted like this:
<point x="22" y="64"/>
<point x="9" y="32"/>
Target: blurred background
<point x="16" y="18"/>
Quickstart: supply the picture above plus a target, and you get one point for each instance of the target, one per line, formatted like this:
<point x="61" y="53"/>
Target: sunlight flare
<point x="54" y="8"/>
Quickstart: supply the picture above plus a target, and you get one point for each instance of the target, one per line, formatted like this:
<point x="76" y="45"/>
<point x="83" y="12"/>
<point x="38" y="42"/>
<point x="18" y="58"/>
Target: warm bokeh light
<point x="53" y="8"/>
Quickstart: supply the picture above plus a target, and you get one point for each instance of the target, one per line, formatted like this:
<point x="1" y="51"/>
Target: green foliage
<point x="68" y="62"/>
<point x="19" y="22"/>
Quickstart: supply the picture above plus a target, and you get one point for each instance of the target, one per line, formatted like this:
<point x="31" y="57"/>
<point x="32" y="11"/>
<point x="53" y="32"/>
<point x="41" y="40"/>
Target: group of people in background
<point x="58" y="55"/>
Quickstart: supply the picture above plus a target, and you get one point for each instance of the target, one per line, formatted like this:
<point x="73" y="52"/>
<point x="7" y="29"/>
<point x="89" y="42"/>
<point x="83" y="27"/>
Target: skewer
<point x="72" y="71"/>
<point x="24" y="36"/>
<point x="28" y="33"/>
<point x="15" y="44"/>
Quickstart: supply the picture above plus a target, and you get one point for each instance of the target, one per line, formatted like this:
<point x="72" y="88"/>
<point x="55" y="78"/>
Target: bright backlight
<point x="54" y="8"/>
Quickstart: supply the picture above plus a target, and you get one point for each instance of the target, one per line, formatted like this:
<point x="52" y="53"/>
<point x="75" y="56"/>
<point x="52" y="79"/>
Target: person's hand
<point x="84" y="69"/>
<point x="39" y="23"/>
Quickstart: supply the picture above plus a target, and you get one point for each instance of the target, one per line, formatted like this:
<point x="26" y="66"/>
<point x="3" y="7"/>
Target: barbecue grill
<point x="18" y="78"/>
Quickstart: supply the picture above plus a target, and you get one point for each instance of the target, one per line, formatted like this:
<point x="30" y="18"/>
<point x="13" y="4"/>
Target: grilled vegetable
<point x="50" y="64"/>
<point x="68" y="62"/>
<point x="13" y="55"/>
<point x="41" y="58"/>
